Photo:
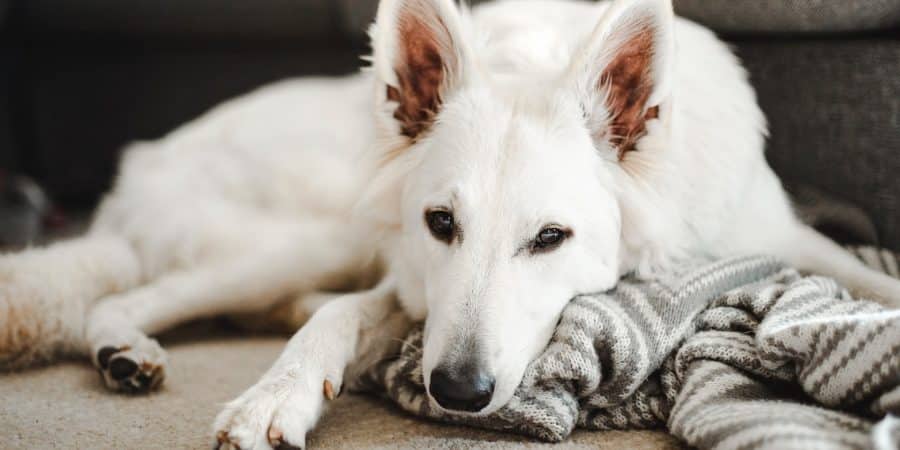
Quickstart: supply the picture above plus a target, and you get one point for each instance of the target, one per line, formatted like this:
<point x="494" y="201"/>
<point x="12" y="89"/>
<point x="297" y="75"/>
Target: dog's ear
<point x="624" y="71"/>
<point x="419" y="57"/>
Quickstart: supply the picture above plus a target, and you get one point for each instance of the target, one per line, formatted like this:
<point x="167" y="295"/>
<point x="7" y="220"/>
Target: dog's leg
<point x="288" y="316"/>
<point x="285" y="404"/>
<point x="283" y="265"/>
<point x="118" y="327"/>
<point x="45" y="294"/>
<point x="808" y="250"/>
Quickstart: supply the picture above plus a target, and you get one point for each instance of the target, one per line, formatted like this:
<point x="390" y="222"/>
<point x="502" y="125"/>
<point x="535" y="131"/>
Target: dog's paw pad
<point x="104" y="355"/>
<point x="122" y="368"/>
<point x="129" y="370"/>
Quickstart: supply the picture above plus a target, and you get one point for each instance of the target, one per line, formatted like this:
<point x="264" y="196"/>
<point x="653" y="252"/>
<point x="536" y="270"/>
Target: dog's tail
<point x="808" y="250"/>
<point x="45" y="294"/>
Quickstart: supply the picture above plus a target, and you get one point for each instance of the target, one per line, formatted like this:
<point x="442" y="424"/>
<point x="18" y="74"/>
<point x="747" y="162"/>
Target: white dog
<point x="493" y="165"/>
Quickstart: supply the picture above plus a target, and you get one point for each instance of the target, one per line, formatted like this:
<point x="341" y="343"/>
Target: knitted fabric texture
<point x="743" y="353"/>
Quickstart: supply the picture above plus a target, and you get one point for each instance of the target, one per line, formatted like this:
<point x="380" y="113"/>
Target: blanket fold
<point x="743" y="353"/>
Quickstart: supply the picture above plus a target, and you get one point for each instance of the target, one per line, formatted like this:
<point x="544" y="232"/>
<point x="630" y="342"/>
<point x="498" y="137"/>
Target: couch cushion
<point x="171" y="19"/>
<point x="784" y="16"/>
<point x="4" y="8"/>
<point x="319" y="18"/>
<point x="65" y="406"/>
<point x="731" y="16"/>
<point x="834" y="113"/>
<point x="137" y="91"/>
<point x="356" y="16"/>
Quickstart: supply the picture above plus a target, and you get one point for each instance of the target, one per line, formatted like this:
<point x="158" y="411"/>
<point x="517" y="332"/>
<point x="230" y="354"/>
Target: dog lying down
<point x="491" y="166"/>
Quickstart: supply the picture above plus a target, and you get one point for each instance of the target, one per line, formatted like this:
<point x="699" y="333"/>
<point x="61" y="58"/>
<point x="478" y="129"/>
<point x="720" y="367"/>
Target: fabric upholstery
<point x="321" y="18"/>
<point x="834" y="113"/>
<point x="172" y="19"/>
<point x="4" y="10"/>
<point x="784" y="16"/>
<point x="731" y="16"/>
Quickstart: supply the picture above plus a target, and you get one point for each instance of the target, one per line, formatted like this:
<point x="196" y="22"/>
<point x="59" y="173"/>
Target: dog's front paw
<point x="277" y="413"/>
<point x="135" y="367"/>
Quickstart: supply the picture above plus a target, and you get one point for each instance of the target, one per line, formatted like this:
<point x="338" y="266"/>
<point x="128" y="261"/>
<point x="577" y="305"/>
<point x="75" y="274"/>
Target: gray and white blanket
<point x="743" y="353"/>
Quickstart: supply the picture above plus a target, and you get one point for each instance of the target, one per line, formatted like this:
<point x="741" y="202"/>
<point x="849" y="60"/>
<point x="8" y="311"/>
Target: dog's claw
<point x="276" y="440"/>
<point x="221" y="438"/>
<point x="223" y="443"/>
<point x="275" y="436"/>
<point x="328" y="390"/>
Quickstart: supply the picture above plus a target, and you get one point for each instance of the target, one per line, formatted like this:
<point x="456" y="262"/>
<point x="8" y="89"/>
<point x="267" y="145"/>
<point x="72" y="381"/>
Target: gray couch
<point x="79" y="78"/>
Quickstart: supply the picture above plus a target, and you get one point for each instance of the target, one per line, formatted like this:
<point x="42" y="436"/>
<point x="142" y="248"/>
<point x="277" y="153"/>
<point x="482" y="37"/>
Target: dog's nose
<point x="466" y="390"/>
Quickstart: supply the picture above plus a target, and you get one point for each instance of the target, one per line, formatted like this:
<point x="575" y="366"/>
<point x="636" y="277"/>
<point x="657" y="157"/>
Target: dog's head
<point x="503" y="184"/>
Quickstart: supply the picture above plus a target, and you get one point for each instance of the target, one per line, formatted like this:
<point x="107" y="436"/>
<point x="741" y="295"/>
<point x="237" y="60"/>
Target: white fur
<point x="299" y="188"/>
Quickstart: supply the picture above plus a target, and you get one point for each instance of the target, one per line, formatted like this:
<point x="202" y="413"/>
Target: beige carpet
<point x="64" y="406"/>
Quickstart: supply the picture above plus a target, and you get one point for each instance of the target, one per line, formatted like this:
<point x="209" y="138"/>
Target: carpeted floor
<point x="65" y="406"/>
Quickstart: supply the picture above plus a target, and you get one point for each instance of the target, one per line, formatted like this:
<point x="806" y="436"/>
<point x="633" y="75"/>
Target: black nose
<point x="464" y="390"/>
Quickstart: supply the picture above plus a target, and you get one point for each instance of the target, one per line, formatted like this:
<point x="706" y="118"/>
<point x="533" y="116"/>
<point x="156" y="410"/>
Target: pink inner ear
<point x="420" y="73"/>
<point x="629" y="84"/>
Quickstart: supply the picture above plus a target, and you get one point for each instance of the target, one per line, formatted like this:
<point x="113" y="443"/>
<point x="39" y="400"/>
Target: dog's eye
<point x="548" y="239"/>
<point x="441" y="225"/>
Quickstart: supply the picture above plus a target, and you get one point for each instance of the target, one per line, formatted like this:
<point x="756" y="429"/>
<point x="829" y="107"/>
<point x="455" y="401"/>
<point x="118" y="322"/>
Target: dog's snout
<point x="469" y="389"/>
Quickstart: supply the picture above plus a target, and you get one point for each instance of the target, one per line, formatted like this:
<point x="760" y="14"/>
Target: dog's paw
<point x="277" y="413"/>
<point x="133" y="368"/>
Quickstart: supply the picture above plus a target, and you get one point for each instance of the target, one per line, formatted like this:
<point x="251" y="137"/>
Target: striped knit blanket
<point x="742" y="353"/>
